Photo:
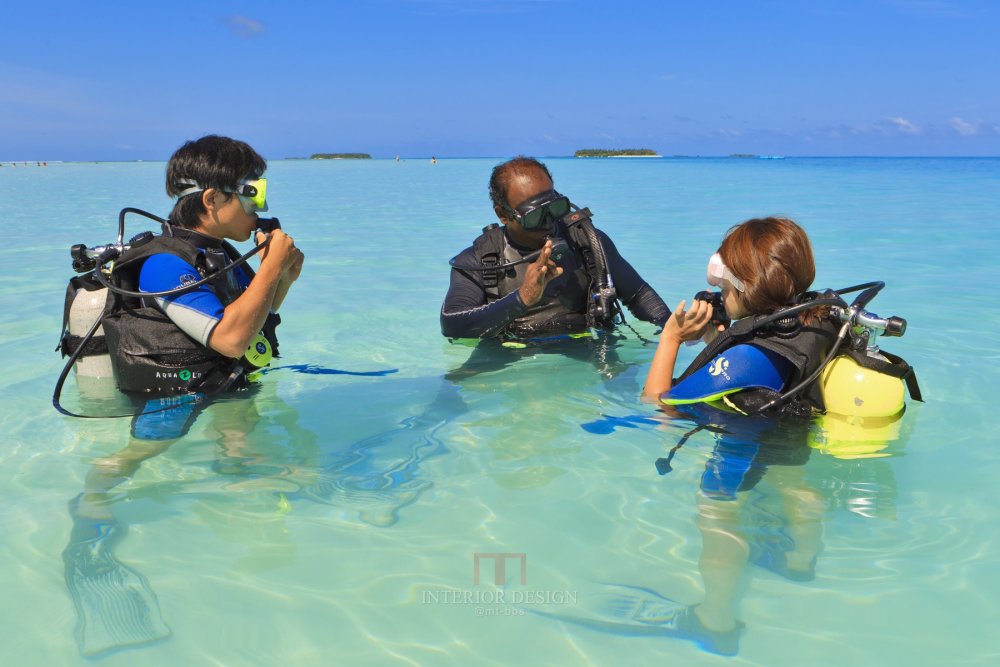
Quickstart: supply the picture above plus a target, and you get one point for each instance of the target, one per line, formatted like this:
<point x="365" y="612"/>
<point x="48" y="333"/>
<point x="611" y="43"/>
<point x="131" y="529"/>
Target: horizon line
<point x="731" y="156"/>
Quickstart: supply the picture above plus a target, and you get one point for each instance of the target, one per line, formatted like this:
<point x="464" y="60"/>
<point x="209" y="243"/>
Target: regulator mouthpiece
<point x="268" y="225"/>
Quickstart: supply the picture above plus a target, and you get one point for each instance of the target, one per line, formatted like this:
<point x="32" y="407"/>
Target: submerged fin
<point x="634" y="604"/>
<point x="115" y="606"/>
<point x="635" y="611"/>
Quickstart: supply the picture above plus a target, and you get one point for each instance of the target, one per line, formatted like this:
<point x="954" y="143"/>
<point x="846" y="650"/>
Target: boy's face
<point x="228" y="217"/>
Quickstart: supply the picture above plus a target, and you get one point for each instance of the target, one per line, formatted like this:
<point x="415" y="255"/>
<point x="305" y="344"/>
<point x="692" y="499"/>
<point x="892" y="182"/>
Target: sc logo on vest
<point x="719" y="367"/>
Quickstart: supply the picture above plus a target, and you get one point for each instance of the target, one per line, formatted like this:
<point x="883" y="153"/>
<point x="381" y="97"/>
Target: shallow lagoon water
<point x="336" y="516"/>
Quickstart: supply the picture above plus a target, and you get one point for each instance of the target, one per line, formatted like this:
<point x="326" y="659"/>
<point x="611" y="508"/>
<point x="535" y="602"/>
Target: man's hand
<point x="539" y="273"/>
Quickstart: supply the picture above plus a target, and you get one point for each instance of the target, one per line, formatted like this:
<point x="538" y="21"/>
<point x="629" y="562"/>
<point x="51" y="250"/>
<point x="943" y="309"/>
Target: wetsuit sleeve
<point x="641" y="299"/>
<point x="466" y="314"/>
<point x="740" y="368"/>
<point x="196" y="313"/>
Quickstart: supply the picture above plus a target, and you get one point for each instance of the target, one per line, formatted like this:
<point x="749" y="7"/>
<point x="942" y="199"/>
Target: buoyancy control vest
<point x="568" y="304"/>
<point x="149" y="353"/>
<point x="806" y="348"/>
<point x="803" y="346"/>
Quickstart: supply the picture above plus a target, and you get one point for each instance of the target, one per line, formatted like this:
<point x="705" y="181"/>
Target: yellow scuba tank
<point x="863" y="410"/>
<point x="852" y="390"/>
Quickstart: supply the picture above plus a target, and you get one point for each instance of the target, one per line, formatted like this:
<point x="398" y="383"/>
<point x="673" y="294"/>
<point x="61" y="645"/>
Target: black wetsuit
<point x="472" y="309"/>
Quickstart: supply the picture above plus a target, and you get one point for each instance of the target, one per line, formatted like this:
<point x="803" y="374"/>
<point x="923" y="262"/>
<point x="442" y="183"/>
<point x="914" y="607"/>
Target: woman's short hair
<point x="211" y="162"/>
<point x="773" y="258"/>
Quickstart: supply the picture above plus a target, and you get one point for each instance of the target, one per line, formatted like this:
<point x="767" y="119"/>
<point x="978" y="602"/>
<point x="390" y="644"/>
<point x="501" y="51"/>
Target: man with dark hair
<point x="546" y="271"/>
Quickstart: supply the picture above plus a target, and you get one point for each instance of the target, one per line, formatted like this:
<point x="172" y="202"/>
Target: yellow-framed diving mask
<point x="252" y="192"/>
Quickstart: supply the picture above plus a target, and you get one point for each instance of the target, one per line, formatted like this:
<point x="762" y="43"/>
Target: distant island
<point x="340" y="156"/>
<point x="624" y="152"/>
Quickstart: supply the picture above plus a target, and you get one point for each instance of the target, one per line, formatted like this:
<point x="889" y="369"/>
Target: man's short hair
<point x="211" y="162"/>
<point x="504" y="172"/>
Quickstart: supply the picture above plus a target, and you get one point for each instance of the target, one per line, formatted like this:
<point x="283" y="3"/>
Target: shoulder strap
<point x="489" y="248"/>
<point x="896" y="366"/>
<point x="127" y="267"/>
<point x="157" y="245"/>
<point x="581" y="241"/>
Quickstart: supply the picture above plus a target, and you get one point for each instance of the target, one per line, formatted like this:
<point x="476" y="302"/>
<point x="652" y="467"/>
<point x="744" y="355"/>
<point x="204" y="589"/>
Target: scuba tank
<point x="852" y="390"/>
<point x="98" y="297"/>
<point x="85" y="304"/>
<point x="860" y="388"/>
<point x="864" y="409"/>
<point x="864" y="389"/>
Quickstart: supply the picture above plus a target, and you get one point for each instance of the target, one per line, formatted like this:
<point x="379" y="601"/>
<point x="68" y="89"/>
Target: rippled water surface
<point x="335" y="516"/>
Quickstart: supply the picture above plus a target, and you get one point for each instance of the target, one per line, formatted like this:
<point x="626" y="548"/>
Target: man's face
<point x="523" y="186"/>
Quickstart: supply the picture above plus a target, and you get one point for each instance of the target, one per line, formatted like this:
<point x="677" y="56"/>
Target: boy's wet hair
<point x="212" y="162"/>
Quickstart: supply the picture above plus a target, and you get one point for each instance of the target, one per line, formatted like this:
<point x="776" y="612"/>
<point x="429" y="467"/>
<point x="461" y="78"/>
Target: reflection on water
<point x="259" y="446"/>
<point x="254" y="526"/>
<point x="763" y="494"/>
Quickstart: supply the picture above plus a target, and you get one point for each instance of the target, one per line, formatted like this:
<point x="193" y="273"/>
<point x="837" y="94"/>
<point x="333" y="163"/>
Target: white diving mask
<point x="717" y="270"/>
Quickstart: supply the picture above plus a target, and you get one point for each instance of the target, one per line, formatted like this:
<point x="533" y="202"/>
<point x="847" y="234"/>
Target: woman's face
<point x="731" y="298"/>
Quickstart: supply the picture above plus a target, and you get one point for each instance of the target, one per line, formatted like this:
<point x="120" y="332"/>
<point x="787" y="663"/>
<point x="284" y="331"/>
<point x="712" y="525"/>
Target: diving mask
<point x="252" y="193"/>
<point x="717" y="270"/>
<point x="535" y="213"/>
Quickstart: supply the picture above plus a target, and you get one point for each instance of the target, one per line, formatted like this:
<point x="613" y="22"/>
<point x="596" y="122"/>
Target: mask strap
<point x="193" y="189"/>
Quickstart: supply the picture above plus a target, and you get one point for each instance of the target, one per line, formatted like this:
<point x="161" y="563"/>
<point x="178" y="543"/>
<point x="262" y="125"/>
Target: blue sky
<point x="453" y="78"/>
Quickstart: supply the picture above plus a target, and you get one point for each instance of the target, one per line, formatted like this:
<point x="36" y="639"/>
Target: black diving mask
<point x="539" y="211"/>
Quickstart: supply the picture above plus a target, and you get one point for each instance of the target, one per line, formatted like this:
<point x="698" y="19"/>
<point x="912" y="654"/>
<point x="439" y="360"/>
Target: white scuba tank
<point x="86" y="307"/>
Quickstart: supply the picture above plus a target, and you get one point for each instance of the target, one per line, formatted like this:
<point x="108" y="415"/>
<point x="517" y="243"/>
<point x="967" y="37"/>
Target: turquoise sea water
<point x="335" y="518"/>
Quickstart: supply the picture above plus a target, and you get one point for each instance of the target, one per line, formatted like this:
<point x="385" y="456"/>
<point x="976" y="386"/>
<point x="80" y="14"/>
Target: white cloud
<point x="903" y="125"/>
<point x="965" y="128"/>
<point x="242" y="26"/>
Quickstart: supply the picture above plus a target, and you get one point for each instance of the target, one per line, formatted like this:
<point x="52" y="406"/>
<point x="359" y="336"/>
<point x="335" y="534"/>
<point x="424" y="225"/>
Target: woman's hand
<point x="692" y="324"/>
<point x="683" y="325"/>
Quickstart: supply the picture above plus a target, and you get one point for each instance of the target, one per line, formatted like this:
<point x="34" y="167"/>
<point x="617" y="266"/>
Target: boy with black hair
<point x="176" y="349"/>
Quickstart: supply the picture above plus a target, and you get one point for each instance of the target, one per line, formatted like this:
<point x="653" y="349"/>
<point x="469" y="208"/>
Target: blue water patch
<point x="341" y="510"/>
